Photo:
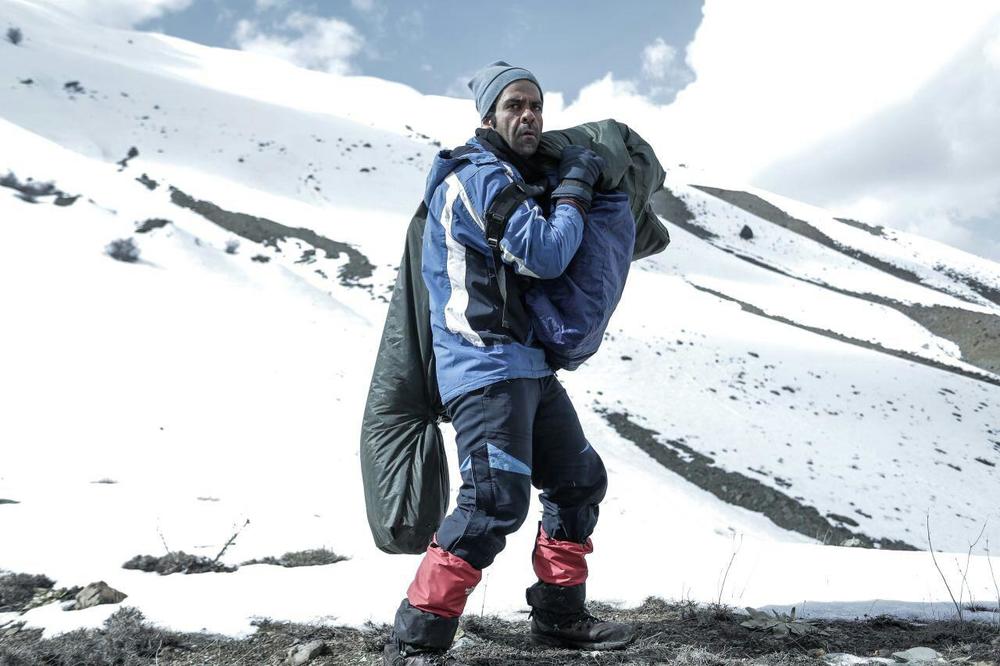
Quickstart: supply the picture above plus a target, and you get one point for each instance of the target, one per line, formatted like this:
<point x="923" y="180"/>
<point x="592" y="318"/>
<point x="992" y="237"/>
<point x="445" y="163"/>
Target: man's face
<point x="518" y="117"/>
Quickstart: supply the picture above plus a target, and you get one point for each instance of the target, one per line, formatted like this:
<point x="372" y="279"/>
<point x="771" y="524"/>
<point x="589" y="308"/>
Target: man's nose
<point x="529" y="117"/>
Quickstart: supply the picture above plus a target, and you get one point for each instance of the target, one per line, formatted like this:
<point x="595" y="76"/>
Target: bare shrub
<point x="30" y="189"/>
<point x="301" y="558"/>
<point x="150" y="224"/>
<point x="176" y="562"/>
<point x="123" y="249"/>
<point x="16" y="590"/>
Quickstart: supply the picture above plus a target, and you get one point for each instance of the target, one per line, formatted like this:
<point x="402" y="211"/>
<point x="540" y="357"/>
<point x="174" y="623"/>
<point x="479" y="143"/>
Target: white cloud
<point x="662" y="76"/>
<point x="776" y="77"/>
<point x="314" y="42"/>
<point x="265" y="5"/>
<point x="932" y="163"/>
<point x="121" y="13"/>
<point x="657" y="59"/>
<point x="363" y="5"/>
<point x="992" y="50"/>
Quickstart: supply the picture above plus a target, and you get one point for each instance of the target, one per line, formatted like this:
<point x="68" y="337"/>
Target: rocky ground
<point x="668" y="633"/>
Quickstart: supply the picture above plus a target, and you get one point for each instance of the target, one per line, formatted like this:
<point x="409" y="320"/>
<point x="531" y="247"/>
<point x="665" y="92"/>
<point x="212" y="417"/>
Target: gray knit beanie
<point x="490" y="81"/>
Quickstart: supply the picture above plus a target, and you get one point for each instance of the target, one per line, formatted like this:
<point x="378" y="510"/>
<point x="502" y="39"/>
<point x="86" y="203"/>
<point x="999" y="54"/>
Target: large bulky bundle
<point x="570" y="313"/>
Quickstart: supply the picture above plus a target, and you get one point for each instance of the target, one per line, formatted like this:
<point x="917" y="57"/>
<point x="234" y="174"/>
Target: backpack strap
<point x="503" y="206"/>
<point x="497" y="215"/>
<point x="462" y="151"/>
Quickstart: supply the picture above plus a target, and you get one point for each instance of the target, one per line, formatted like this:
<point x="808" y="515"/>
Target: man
<point x="515" y="426"/>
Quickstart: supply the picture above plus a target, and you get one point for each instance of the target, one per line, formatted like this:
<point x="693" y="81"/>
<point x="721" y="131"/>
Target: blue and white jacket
<point x="471" y="347"/>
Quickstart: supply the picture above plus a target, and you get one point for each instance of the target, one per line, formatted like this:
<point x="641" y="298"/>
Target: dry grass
<point x="300" y="558"/>
<point x="177" y="562"/>
<point x="17" y="590"/>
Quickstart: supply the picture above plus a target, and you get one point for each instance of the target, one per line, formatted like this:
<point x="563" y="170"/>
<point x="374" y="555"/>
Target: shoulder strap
<point x="497" y="215"/>
<point x="503" y="206"/>
<point x="462" y="151"/>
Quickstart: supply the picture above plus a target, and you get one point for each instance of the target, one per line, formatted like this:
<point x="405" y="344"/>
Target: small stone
<point x="917" y="655"/>
<point x="96" y="594"/>
<point x="301" y="654"/>
<point x="847" y="659"/>
<point x="746" y="233"/>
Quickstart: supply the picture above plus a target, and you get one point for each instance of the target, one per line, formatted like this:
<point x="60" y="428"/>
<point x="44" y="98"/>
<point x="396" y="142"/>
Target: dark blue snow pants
<point x="512" y="435"/>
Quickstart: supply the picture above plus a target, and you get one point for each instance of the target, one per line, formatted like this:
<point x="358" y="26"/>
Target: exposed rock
<point x="96" y="594"/>
<point x="133" y="153"/>
<point x="984" y="354"/>
<point x="746" y="233"/>
<point x="148" y="182"/>
<point x="270" y="233"/>
<point x="874" y="230"/>
<point x="735" y="488"/>
<point x="918" y="655"/>
<point x="150" y="224"/>
<point x="301" y="654"/>
<point x="843" y="519"/>
<point x="847" y="659"/>
<point x="668" y="205"/>
<point x="30" y="189"/>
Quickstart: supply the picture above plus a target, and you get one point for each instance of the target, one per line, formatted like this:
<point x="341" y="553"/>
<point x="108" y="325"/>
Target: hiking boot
<point x="559" y="618"/>
<point x="420" y="638"/>
<point x="395" y="654"/>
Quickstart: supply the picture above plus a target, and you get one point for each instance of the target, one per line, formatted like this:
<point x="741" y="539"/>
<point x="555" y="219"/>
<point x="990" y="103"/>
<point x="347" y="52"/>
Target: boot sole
<point x="552" y="641"/>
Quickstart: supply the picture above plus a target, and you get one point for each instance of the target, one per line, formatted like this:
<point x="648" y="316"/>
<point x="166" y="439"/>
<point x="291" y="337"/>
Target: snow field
<point x="214" y="389"/>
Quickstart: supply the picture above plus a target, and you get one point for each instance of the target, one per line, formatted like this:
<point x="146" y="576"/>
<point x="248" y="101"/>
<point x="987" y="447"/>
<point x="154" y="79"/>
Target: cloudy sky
<point x="883" y="110"/>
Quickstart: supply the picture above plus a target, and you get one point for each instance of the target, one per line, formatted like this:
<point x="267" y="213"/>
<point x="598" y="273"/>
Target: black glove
<point x="579" y="170"/>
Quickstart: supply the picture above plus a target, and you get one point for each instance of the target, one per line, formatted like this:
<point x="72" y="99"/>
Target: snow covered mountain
<point x="779" y="383"/>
